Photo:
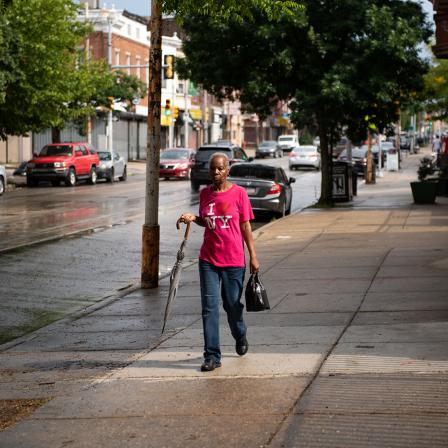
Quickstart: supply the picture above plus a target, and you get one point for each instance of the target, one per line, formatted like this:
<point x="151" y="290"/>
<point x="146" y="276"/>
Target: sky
<point x="142" y="7"/>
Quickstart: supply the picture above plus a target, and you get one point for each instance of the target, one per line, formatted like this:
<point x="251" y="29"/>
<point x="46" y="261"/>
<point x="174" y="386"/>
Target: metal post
<point x="151" y="230"/>
<point x="87" y="56"/>
<point x="186" y="116"/>
<point x="110" y="115"/>
<point x="171" y="127"/>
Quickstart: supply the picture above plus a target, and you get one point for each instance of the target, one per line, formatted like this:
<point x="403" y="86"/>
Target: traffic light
<point x="168" y="66"/>
<point x="167" y="107"/>
<point x="175" y="112"/>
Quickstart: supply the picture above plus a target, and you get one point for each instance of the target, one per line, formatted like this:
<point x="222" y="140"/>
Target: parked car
<point x="287" y="142"/>
<point x="304" y="156"/>
<point x="176" y="163"/>
<point x="268" y="187"/>
<point x="268" y="148"/>
<point x="2" y="179"/>
<point x="63" y="162"/>
<point x="340" y="146"/>
<point x="359" y="158"/>
<point x="199" y="171"/>
<point x="111" y="171"/>
<point x="20" y="170"/>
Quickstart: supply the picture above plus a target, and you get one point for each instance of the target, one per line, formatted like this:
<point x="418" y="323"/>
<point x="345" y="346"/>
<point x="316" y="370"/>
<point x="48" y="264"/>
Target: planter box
<point x="424" y="192"/>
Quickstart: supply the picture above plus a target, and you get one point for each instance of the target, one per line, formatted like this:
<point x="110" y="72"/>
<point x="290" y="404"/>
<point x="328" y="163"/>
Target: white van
<point x="287" y="142"/>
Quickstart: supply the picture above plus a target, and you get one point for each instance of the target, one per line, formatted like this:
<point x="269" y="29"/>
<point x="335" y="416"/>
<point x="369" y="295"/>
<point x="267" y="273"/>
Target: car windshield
<point x="204" y="154"/>
<point x="288" y="138"/>
<point x="104" y="155"/>
<point x="253" y="171"/>
<point x="56" y="150"/>
<point x="267" y="144"/>
<point x="305" y="149"/>
<point x="174" y="154"/>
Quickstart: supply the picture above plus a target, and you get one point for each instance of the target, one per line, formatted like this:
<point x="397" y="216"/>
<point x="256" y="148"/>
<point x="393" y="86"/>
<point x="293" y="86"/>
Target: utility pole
<point x="110" y="138"/>
<point x="186" y="115"/>
<point x="87" y="56"/>
<point x="370" y="167"/>
<point x="151" y="229"/>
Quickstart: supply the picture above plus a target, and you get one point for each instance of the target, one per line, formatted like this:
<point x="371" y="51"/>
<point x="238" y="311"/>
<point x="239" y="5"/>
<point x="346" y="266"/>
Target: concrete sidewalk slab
<point x="408" y="300"/>
<point x="362" y="431"/>
<point x="194" y="397"/>
<point x="185" y="362"/>
<point x="387" y="357"/>
<point x="381" y="394"/>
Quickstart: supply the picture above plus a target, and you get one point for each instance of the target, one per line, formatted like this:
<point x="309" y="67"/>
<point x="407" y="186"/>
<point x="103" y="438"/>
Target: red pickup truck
<point x="67" y="162"/>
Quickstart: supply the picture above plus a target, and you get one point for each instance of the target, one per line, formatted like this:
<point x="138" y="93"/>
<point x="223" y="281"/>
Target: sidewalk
<point x="353" y="353"/>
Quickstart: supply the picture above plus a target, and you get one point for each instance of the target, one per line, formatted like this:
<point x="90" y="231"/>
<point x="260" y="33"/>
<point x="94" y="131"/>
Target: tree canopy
<point x="336" y="63"/>
<point x="45" y="80"/>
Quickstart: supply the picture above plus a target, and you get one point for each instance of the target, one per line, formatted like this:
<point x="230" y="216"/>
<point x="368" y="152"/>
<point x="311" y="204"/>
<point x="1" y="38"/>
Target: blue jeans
<point x="217" y="282"/>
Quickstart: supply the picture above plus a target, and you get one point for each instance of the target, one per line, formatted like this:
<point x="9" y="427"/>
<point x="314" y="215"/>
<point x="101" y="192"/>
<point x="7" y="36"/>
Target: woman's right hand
<point x="187" y="217"/>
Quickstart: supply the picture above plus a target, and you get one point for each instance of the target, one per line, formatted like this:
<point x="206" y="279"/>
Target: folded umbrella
<point x="175" y="274"/>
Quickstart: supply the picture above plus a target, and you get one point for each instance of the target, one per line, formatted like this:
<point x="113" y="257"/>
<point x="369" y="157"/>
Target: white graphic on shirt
<point x="225" y="221"/>
<point x="211" y="211"/>
<point x="211" y="218"/>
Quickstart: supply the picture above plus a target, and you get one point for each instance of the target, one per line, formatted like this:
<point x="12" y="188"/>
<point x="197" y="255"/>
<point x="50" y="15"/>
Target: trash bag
<point x="256" y="295"/>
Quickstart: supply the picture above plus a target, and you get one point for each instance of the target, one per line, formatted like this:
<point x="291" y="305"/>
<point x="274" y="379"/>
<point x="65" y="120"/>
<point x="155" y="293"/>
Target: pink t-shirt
<point x="223" y="212"/>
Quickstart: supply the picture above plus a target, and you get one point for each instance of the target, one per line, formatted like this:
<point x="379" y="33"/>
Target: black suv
<point x="199" y="172"/>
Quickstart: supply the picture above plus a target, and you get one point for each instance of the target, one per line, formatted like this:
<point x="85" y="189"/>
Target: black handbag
<point x="256" y="295"/>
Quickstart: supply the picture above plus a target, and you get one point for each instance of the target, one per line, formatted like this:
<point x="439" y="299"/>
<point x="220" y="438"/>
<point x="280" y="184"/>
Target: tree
<point x="223" y="9"/>
<point x="435" y="97"/>
<point x="349" y="59"/>
<point x="48" y="35"/>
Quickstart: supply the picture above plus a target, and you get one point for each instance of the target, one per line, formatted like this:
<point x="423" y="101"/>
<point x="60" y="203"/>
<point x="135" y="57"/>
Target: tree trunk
<point x="370" y="167"/>
<point x="326" y="197"/>
<point x="55" y="135"/>
<point x="151" y="232"/>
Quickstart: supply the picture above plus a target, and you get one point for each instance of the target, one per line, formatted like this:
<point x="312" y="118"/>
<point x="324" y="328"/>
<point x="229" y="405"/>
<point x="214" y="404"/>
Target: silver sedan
<point x="304" y="156"/>
<point x="111" y="171"/>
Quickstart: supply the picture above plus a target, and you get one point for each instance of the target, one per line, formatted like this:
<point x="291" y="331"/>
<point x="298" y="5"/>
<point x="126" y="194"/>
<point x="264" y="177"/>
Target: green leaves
<point x="44" y="78"/>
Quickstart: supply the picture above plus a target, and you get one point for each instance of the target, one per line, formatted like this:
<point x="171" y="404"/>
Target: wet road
<point x="44" y="213"/>
<point x="43" y="283"/>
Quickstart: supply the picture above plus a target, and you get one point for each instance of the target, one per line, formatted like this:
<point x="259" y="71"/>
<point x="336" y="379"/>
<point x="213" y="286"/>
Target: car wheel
<point x="2" y="185"/>
<point x="195" y="186"/>
<point x="93" y="176"/>
<point x="124" y="176"/>
<point x="282" y="213"/>
<point x="30" y="181"/>
<point x="111" y="178"/>
<point x="55" y="183"/>
<point x="70" y="180"/>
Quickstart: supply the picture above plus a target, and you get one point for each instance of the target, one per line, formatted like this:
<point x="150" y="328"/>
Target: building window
<point x="128" y="63"/>
<point x="129" y="30"/>
<point x="117" y="57"/>
<point x="138" y="70"/>
<point x="137" y="33"/>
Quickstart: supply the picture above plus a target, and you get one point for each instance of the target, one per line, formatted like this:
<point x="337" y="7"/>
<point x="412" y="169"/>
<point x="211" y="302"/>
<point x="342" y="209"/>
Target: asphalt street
<point x="90" y="242"/>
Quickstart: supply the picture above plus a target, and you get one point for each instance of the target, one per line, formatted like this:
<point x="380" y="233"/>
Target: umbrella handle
<point x="187" y="230"/>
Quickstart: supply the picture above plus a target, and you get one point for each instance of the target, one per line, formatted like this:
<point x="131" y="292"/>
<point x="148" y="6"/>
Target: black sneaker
<point x="242" y="346"/>
<point x="210" y="364"/>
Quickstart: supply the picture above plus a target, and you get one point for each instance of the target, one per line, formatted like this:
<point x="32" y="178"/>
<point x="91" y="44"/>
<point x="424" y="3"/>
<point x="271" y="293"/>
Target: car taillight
<point x="275" y="189"/>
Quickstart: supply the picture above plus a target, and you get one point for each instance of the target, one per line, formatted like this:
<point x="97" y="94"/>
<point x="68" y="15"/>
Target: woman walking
<point x="225" y="212"/>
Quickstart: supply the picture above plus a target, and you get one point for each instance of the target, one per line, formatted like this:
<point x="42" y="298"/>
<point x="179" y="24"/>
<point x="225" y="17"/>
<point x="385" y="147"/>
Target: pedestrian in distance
<point x="225" y="212"/>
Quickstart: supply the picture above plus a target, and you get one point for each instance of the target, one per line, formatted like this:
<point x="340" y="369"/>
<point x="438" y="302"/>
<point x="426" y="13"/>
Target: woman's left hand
<point x="254" y="265"/>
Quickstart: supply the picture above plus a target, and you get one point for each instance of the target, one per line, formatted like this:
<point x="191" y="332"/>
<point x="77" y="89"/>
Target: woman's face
<point x="219" y="170"/>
